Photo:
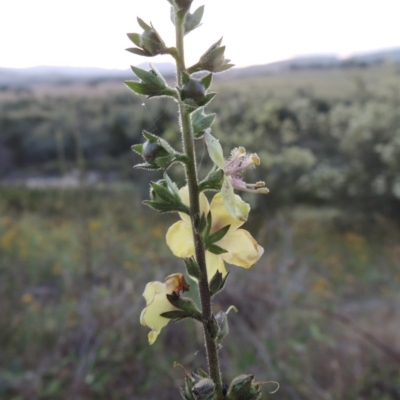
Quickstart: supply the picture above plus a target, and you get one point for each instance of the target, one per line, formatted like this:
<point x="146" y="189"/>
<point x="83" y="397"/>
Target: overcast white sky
<point x="92" y="33"/>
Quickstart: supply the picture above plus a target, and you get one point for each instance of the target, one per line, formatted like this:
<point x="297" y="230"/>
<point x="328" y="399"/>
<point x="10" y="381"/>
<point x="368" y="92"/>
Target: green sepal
<point x="163" y="193"/>
<point x="157" y="151"/>
<point x="137" y="51"/>
<point x="217" y="283"/>
<point x="200" y="122"/>
<point x="134" y="38"/>
<point x="164" y="208"/>
<point x="222" y="320"/>
<point x="206" y="80"/>
<point x="151" y="77"/>
<point x="137" y="87"/>
<point x="192" y="268"/>
<point x="151" y="83"/>
<point x="166" y="161"/>
<point x="213" y="181"/>
<point x="176" y="315"/>
<point x="213" y="248"/>
<point x="193" y="105"/>
<point x="165" y="199"/>
<point x="185" y="304"/>
<point x="151" y="137"/>
<point x="172" y="186"/>
<point x="208" y="225"/>
<point x="143" y="24"/>
<point x="243" y="387"/>
<point x="218" y="235"/>
<point x="212" y="327"/>
<point x="204" y="389"/>
<point x="192" y="21"/>
<point x="212" y="60"/>
<point x="147" y="166"/>
<point x="200" y="223"/>
<point x="137" y="148"/>
<point x="185" y="77"/>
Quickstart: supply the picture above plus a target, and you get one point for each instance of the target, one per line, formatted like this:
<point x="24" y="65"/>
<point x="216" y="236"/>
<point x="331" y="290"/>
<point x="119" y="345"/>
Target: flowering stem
<point x="192" y="181"/>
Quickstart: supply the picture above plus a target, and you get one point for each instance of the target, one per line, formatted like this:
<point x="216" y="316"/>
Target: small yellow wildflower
<point x="157" y="303"/>
<point x="241" y="248"/>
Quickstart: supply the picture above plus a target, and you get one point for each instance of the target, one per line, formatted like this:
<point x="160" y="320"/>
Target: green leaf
<point x="213" y="248"/>
<point x="192" y="267"/>
<point x="218" y="235"/>
<point x="135" y="38"/>
<point x="143" y="24"/>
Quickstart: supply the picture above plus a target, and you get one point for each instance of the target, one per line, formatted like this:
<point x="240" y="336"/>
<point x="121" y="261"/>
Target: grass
<point x="317" y="313"/>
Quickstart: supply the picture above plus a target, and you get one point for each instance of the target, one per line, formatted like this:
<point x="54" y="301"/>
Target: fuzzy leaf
<point x="137" y="51"/>
<point x="135" y="38"/>
<point x="143" y="24"/>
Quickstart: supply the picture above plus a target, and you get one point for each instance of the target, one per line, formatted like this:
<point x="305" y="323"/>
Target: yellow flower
<point x="157" y="303"/>
<point x="241" y="248"/>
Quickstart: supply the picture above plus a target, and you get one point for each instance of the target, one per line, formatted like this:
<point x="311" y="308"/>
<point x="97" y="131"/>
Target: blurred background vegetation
<point x="317" y="313"/>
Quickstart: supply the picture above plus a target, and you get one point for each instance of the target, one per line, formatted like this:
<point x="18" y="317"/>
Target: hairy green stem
<point x="192" y="181"/>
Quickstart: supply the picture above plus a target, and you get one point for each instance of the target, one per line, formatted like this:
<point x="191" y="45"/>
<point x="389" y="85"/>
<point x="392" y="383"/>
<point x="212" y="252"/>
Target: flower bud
<point x="203" y="389"/>
<point x="193" y="89"/>
<point x="151" y="42"/>
<point x="243" y="387"/>
<point x="152" y="150"/>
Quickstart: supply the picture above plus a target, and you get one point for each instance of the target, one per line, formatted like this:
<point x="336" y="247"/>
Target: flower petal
<point x="242" y="249"/>
<point x="180" y="239"/>
<point x="184" y="195"/>
<point x="214" y="264"/>
<point x="151" y="289"/>
<point x="222" y="217"/>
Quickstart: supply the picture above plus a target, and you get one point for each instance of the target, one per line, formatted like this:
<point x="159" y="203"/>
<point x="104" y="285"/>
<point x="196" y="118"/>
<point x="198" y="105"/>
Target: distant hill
<point x="47" y="75"/>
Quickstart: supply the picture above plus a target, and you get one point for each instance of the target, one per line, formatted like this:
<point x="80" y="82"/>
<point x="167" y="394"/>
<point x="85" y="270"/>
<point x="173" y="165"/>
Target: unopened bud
<point x="193" y="89"/>
<point x="203" y="389"/>
<point x="151" y="42"/>
<point x="243" y="387"/>
<point x="152" y="150"/>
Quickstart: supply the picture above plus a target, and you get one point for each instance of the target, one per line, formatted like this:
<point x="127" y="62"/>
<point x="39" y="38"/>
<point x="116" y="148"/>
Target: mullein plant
<point x="208" y="235"/>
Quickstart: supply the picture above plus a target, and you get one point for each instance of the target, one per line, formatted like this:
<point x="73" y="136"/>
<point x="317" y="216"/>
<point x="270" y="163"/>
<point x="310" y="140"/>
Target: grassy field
<point x="317" y="313"/>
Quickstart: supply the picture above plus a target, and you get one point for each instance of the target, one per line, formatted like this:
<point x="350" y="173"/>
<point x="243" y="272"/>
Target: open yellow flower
<point x="241" y="248"/>
<point x="157" y="303"/>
